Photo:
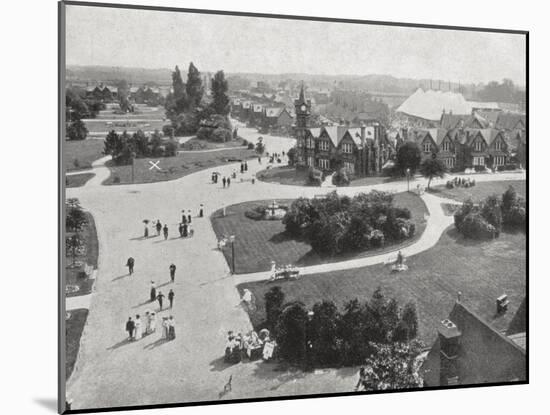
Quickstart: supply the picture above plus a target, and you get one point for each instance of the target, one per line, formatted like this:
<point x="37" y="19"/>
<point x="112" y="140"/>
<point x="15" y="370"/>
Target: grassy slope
<point x="78" y="180"/>
<point x="481" y="190"/>
<point x="85" y="151"/>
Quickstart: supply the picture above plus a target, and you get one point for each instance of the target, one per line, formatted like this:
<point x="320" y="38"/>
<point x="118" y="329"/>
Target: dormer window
<point x="498" y="145"/>
<point x="347" y="148"/>
<point x="446" y="145"/>
<point x="323" y="145"/>
<point x="427" y="146"/>
<point x="478" y="145"/>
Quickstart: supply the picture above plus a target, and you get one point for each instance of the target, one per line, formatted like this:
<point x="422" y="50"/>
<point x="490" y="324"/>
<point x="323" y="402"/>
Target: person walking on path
<point x="171" y="328"/>
<point x="183" y="217"/>
<point x="165" y="231"/>
<point x="184" y="231"/>
<point x="159" y="227"/>
<point x="228" y="182"/>
<point x="242" y="168"/>
<point x="146" y="322"/>
<point x="130" y="265"/>
<point x="180" y="228"/>
<point x="153" y="291"/>
<point x="245" y="166"/>
<point x="139" y="328"/>
<point x="171" y="296"/>
<point x="189" y="216"/>
<point x="146" y="229"/>
<point x="160" y="298"/>
<point x="172" y="272"/>
<point x="201" y="211"/>
<point x="259" y="160"/>
<point x="130" y="327"/>
<point x="224" y="180"/>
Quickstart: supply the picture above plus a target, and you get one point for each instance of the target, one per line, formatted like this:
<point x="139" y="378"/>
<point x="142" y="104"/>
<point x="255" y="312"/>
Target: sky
<point x="157" y="39"/>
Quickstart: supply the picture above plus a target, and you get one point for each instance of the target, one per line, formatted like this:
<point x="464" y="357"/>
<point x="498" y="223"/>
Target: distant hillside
<point x="112" y="74"/>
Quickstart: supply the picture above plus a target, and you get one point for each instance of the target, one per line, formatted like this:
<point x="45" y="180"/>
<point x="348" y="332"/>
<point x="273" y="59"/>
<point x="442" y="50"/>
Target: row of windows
<point x="324" y="145"/>
<point x="499" y="161"/>
<point x="325" y="164"/>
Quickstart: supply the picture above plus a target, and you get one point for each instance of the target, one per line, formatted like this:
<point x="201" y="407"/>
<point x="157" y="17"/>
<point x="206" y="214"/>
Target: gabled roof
<point x="247" y="104"/>
<point x="315" y="132"/>
<point x="485" y="355"/>
<point x="257" y="108"/>
<point x="510" y="121"/>
<point x="273" y="112"/>
<point x="449" y="121"/>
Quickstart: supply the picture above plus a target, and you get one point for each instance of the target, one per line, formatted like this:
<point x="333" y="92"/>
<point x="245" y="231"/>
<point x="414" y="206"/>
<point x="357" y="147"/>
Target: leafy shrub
<point x="168" y="131"/>
<point x="376" y="238"/>
<point x="254" y="214"/>
<point x="76" y="163"/>
<point x="476" y="227"/>
<point x="479" y="168"/>
<point x="221" y="135"/>
<point x="341" y="178"/>
<point x="402" y="212"/>
<point x="116" y="179"/>
<point x="314" y="177"/>
<point x="250" y="146"/>
<point x="245" y="142"/>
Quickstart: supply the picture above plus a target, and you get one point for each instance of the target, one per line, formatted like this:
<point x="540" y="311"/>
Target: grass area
<point x="283" y="175"/>
<point x="480" y="191"/>
<point x="79" y="155"/>
<point x="174" y="167"/>
<point x="197" y="144"/>
<point x="258" y="243"/>
<point x="482" y="271"/>
<point x="75" y="275"/>
<point x="74" y="327"/>
<point x="298" y="177"/>
<point x="78" y="180"/>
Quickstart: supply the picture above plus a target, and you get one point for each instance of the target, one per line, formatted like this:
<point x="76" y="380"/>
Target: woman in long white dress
<point x="139" y="328"/>
<point x="152" y="322"/>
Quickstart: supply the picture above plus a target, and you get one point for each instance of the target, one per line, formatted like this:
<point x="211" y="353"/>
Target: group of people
<point x="139" y="328"/>
<point x="252" y="346"/>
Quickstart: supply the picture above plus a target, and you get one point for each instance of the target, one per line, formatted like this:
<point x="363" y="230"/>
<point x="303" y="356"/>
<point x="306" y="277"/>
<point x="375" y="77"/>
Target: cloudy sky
<point x="154" y="39"/>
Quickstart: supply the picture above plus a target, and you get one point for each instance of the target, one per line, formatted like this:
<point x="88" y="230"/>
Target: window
<point x="449" y="162"/>
<point x="323" y="145"/>
<point x="347" y="148"/>
<point x="479" y="161"/>
<point x="300" y="143"/>
<point x="349" y="166"/>
<point x="310" y="161"/>
<point x="478" y="145"/>
<point x="310" y="143"/>
<point x="498" y="145"/>
<point x="499" y="161"/>
<point x="446" y="145"/>
<point x="323" y="164"/>
<point x="427" y="146"/>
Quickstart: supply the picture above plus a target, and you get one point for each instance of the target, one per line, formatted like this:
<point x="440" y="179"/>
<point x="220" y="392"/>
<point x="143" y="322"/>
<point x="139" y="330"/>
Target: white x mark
<point x="154" y="165"/>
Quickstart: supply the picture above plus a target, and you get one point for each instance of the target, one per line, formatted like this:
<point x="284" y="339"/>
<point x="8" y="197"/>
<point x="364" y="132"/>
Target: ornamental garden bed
<point x="258" y="242"/>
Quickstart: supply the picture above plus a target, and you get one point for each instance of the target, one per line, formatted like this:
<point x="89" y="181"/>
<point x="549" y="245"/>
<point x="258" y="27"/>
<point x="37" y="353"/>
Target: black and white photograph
<point x="262" y="207"/>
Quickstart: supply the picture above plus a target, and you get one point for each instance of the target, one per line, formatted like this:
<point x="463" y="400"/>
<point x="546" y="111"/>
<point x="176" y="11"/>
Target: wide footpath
<point x="112" y="372"/>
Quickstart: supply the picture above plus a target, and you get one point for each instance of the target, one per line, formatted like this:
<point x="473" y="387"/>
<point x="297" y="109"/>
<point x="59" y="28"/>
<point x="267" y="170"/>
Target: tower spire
<point x="301" y="98"/>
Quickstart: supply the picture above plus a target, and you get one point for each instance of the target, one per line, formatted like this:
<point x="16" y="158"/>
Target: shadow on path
<point x="120" y="277"/>
<point x="155" y="344"/>
<point x="120" y="344"/>
<point x="219" y="365"/>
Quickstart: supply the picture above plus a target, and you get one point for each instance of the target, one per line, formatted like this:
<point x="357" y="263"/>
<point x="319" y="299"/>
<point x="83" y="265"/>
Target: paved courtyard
<point x="111" y="372"/>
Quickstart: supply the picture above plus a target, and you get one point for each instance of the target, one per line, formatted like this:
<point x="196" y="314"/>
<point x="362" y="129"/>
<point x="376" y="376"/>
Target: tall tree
<point x="408" y="157"/>
<point x="220" y="100"/>
<point x="432" y="167"/>
<point x="194" y="87"/>
<point x="291" y="332"/>
<point x="76" y="130"/>
<point x="323" y="332"/>
<point x="274" y="300"/>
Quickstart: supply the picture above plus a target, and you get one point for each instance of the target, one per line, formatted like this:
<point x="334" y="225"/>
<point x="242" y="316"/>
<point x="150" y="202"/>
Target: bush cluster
<point x="338" y="224"/>
<point x="507" y="167"/>
<point x="485" y="221"/>
<point x="123" y="146"/>
<point x="315" y="177"/>
<point x="341" y="177"/>
<point x="327" y="336"/>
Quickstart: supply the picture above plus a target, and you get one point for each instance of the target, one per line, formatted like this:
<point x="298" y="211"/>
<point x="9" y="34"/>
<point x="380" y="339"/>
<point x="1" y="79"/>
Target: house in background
<point x="277" y="118"/>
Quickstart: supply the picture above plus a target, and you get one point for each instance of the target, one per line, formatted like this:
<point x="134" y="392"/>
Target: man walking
<point x="171" y="296"/>
<point x="189" y="216"/>
<point x="201" y="211"/>
<point x="172" y="272"/>
<point x="228" y="182"/>
<point x="245" y="166"/>
<point x="242" y="168"/>
<point x="130" y="265"/>
<point x="159" y="227"/>
<point x="165" y="231"/>
<point x="130" y="326"/>
<point x="160" y="297"/>
<point x="224" y="181"/>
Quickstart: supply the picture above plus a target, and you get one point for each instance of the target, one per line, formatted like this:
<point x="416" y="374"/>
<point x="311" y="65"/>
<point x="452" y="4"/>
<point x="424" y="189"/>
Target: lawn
<point x="480" y="191"/>
<point x="284" y="175"/>
<point x="75" y="276"/>
<point x="198" y="144"/>
<point x="298" y="177"/>
<point x="74" y="327"/>
<point x="258" y="243"/>
<point x="79" y="154"/>
<point x="482" y="271"/>
<point x="77" y="180"/>
<point x="174" y="167"/>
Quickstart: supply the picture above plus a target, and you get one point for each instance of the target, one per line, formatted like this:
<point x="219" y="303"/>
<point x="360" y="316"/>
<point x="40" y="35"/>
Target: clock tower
<point x="302" y="109"/>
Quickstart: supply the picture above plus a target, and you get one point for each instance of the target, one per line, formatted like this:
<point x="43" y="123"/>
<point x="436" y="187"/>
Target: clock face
<point x="303" y="107"/>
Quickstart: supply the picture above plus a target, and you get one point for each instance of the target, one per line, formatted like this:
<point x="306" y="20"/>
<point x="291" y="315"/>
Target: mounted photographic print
<point x="265" y="207"/>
